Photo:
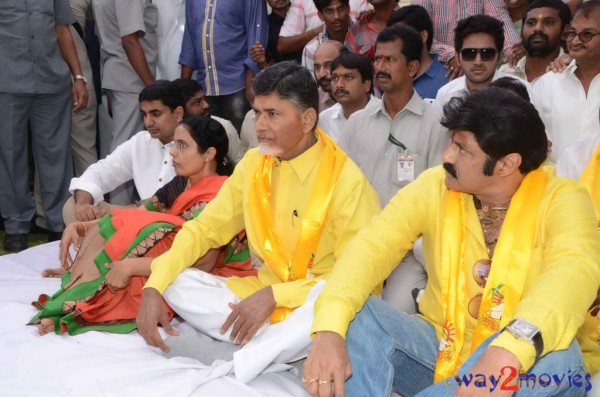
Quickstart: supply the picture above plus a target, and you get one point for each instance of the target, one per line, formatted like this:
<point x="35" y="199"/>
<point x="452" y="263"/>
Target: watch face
<point x="525" y="329"/>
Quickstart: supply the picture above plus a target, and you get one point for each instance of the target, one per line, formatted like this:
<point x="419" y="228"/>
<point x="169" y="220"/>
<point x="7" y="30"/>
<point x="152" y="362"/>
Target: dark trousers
<point x="232" y="107"/>
<point x="49" y="117"/>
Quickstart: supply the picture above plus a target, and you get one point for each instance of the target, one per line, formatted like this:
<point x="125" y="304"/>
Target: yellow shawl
<point x="506" y="280"/>
<point x="288" y="266"/>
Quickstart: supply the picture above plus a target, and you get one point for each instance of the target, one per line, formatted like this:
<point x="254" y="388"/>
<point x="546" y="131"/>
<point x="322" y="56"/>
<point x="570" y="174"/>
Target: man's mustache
<point x="450" y="169"/>
<point x="337" y="92"/>
<point x="383" y="74"/>
<point x="537" y="35"/>
<point x="324" y="80"/>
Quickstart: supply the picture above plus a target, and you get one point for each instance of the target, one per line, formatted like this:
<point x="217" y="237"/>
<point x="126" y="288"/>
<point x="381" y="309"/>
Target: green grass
<point x="33" y="239"/>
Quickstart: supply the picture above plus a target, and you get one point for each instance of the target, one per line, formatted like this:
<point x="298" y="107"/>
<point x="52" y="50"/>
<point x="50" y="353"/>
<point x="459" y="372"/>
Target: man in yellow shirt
<point x="512" y="254"/>
<point x="300" y="200"/>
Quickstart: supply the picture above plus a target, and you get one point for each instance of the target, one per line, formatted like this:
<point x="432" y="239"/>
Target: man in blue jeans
<point x="512" y="255"/>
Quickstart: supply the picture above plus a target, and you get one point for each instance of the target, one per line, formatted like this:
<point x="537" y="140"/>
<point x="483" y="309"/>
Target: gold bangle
<point x="84" y="229"/>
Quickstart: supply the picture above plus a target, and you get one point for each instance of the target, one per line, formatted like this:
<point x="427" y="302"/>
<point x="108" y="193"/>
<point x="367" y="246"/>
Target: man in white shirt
<point x="352" y="88"/>
<point x="577" y="156"/>
<point x="568" y="102"/>
<point x="543" y="26"/>
<point x="395" y="140"/>
<point x="478" y="41"/>
<point x="144" y="158"/>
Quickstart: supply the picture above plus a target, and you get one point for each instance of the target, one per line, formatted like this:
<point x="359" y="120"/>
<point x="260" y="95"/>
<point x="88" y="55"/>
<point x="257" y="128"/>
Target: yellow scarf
<point x="507" y="275"/>
<point x="590" y="178"/>
<point x="286" y="266"/>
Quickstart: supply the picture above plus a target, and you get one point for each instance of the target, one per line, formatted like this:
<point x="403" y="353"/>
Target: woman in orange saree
<point x="101" y="287"/>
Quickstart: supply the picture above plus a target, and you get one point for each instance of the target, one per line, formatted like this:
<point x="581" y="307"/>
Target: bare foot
<point x="46" y="326"/>
<point x="53" y="272"/>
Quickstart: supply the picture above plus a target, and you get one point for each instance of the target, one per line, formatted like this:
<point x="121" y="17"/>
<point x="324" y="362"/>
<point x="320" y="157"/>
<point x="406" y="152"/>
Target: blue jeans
<point x="390" y="350"/>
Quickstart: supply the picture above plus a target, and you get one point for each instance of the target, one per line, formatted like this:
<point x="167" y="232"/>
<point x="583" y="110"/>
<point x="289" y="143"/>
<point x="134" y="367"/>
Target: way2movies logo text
<point x="511" y="380"/>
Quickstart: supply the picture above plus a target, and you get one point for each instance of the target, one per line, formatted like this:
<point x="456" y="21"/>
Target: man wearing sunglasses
<point x="568" y="102"/>
<point x="478" y="41"/>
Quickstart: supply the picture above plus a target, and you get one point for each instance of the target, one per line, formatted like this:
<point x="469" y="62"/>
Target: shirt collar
<point x="430" y="71"/>
<point x="414" y="105"/>
<point x="520" y="66"/>
<point x="325" y="99"/>
<point x="167" y="145"/>
<point x="338" y="112"/>
<point x="304" y="163"/>
<point x="570" y="70"/>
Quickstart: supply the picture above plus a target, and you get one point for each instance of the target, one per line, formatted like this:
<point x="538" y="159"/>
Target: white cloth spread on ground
<point x="104" y="364"/>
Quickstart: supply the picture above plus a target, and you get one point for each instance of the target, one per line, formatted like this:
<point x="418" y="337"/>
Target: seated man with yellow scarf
<point x="300" y="199"/>
<point x="513" y="258"/>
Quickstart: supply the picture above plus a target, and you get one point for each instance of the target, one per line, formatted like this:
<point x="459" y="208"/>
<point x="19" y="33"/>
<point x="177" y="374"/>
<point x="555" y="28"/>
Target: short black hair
<point x="351" y="60"/>
<point x="563" y="10"/>
<point x="513" y="85"/>
<point x="207" y="132"/>
<point x="479" y="24"/>
<point x="416" y="17"/>
<point x="164" y="91"/>
<point x="321" y="4"/>
<point x="289" y="81"/>
<point x="189" y="87"/>
<point x="502" y="123"/>
<point x="412" y="43"/>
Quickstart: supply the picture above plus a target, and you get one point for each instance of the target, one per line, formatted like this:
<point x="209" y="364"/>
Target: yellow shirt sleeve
<point x="568" y="280"/>
<point x="372" y="254"/>
<point x="216" y="225"/>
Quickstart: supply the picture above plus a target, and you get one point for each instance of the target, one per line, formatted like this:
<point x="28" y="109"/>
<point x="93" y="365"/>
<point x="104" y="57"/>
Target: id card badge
<point x="406" y="167"/>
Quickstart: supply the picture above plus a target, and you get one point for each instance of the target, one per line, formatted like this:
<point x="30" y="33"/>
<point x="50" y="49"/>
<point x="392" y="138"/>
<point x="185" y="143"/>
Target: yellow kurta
<point x="353" y="204"/>
<point x="562" y="281"/>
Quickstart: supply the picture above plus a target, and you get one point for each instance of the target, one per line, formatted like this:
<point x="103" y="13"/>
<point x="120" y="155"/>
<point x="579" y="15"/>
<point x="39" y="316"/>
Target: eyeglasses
<point x="487" y="54"/>
<point x="584" y="36"/>
<point x="182" y="146"/>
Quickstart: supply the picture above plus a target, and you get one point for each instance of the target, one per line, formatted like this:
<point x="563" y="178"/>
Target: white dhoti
<point x="202" y="300"/>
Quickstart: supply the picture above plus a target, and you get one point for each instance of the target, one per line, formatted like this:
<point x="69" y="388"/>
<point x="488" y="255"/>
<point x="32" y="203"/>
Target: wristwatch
<point x="80" y="77"/>
<point x="527" y="331"/>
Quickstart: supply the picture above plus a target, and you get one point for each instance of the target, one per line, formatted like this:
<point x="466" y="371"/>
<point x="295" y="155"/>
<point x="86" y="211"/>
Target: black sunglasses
<point x="487" y="54"/>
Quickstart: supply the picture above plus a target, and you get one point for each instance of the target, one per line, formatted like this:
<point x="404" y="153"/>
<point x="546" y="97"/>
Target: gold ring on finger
<point x="308" y="381"/>
<point x="324" y="382"/>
